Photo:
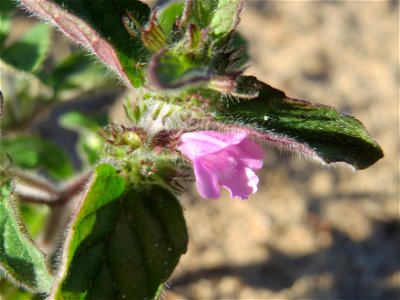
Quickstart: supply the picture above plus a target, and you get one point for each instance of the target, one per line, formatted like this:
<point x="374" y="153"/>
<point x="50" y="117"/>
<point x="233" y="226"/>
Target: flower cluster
<point x="223" y="160"/>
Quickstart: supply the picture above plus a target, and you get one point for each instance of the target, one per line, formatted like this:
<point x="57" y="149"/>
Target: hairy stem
<point x="40" y="191"/>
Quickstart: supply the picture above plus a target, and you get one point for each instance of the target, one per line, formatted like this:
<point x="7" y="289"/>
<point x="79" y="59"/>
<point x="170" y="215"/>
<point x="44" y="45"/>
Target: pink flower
<point x="223" y="159"/>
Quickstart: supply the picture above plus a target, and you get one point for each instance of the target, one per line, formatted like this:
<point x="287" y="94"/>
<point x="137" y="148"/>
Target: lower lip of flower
<point x="223" y="160"/>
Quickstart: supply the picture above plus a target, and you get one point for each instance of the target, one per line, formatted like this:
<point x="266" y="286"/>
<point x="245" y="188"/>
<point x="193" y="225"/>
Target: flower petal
<point x="196" y="144"/>
<point x="206" y="183"/>
<point x="250" y="153"/>
<point x="223" y="159"/>
<point x="238" y="180"/>
<point x="231" y="173"/>
<point x="229" y="138"/>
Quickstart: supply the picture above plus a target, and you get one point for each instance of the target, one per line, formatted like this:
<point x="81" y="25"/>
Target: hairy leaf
<point x="226" y="16"/>
<point x="97" y="25"/>
<point x="198" y="58"/>
<point x="124" y="242"/>
<point x="30" y="153"/>
<point x="199" y="12"/>
<point x="168" y="16"/>
<point x="29" y="52"/>
<point x="315" y="130"/>
<point x="221" y="16"/>
<point x="20" y="259"/>
<point x="171" y="71"/>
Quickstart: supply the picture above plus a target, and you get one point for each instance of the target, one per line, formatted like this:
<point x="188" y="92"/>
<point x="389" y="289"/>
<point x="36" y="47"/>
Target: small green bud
<point x="94" y="141"/>
<point x="132" y="139"/>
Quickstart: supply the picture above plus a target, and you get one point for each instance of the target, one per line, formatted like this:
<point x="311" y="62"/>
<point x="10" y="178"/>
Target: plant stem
<point x="40" y="191"/>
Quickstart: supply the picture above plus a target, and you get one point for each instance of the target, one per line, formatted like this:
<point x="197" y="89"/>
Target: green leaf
<point x="31" y="152"/>
<point x="90" y="143"/>
<point x="226" y="16"/>
<point x="196" y="59"/>
<point x="29" y="52"/>
<point x="6" y="10"/>
<point x="199" y="12"/>
<point x="11" y="292"/>
<point x="105" y="17"/>
<point x="171" y="71"/>
<point x="123" y="244"/>
<point x="168" y="16"/>
<point x="238" y="41"/>
<point x="76" y="120"/>
<point x="5" y="25"/>
<point x="315" y="130"/>
<point x="221" y="16"/>
<point x="34" y="217"/>
<point x="20" y="259"/>
<point x="98" y="26"/>
<point x="77" y="72"/>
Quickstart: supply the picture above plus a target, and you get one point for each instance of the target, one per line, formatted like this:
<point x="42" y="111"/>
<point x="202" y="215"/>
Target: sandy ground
<point x="310" y="232"/>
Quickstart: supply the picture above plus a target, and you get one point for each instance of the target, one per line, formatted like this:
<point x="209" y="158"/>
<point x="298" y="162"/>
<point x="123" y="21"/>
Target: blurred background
<point x="310" y="232"/>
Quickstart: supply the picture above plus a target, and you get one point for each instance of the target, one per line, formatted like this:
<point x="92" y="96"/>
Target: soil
<point x="310" y="232"/>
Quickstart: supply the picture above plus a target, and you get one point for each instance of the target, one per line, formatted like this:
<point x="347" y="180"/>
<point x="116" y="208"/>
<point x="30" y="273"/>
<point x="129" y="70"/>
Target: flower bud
<point x="132" y="139"/>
